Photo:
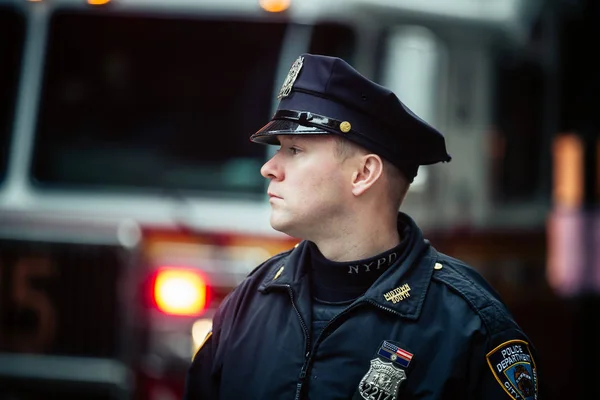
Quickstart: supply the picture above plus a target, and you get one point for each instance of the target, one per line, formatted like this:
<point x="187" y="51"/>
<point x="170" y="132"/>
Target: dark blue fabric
<point x="322" y="313"/>
<point x="261" y="347"/>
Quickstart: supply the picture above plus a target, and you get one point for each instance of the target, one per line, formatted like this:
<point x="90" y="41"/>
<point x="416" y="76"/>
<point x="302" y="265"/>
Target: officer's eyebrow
<point x="307" y="138"/>
<point x="304" y="141"/>
<point x="287" y="139"/>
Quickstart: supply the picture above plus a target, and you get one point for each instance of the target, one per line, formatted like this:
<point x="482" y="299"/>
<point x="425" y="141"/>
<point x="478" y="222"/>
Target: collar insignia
<point x="279" y="272"/>
<point x="398" y="294"/>
<point x="286" y="89"/>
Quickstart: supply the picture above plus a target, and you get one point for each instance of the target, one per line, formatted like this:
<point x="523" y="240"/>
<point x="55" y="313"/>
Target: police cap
<point x="324" y="95"/>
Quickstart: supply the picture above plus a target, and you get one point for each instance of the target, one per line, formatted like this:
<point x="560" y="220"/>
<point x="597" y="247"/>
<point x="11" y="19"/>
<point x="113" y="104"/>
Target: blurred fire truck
<point x="130" y="199"/>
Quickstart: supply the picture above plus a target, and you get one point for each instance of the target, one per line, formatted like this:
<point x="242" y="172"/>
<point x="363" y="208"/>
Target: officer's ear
<point x="369" y="169"/>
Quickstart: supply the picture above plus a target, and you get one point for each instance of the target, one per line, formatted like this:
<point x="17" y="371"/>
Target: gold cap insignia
<point x="345" y="127"/>
<point x="398" y="294"/>
<point x="286" y="88"/>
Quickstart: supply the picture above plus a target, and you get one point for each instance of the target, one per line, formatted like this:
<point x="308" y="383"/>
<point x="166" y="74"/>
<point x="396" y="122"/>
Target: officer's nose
<point x="271" y="169"/>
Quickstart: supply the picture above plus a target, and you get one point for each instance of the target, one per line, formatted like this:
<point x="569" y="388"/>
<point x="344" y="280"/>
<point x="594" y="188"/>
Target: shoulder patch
<point x="514" y="368"/>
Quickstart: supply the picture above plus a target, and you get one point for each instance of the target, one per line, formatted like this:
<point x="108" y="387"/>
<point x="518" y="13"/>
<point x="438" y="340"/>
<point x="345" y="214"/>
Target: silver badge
<point x="382" y="381"/>
<point x="286" y="88"/>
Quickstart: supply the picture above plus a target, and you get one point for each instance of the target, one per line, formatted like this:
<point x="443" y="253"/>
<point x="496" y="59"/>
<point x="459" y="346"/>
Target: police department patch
<point x="514" y="368"/>
<point x="382" y="381"/>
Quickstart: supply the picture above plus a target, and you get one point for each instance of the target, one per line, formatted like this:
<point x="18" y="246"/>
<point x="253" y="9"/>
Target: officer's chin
<point x="281" y="225"/>
<point x="278" y="225"/>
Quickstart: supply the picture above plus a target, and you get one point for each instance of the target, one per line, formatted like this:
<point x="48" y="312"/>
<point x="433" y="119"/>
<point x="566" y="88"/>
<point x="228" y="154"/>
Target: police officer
<point x="364" y="307"/>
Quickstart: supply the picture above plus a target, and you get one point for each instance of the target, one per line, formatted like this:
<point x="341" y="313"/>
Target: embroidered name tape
<point x="514" y="368"/>
<point x="395" y="354"/>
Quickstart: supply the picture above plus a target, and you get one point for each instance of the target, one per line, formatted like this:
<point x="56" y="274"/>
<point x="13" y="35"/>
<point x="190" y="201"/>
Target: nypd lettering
<point x="374" y="265"/>
<point x="514" y="368"/>
<point x="381" y="381"/>
<point x="398" y="294"/>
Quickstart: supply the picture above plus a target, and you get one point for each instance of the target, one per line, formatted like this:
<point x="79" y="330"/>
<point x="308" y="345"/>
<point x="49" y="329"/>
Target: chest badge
<point x="381" y="381"/>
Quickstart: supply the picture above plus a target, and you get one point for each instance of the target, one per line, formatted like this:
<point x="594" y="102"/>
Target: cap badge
<point x="286" y="88"/>
<point x="345" y="127"/>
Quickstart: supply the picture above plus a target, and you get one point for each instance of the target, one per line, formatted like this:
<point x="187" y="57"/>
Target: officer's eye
<point x="293" y="150"/>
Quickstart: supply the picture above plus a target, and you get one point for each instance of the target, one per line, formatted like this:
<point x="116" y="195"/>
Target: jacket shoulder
<point x="465" y="282"/>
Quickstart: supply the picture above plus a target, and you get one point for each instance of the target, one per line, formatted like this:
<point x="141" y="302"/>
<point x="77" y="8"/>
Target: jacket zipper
<point x="352" y="307"/>
<point x="383" y="307"/>
<point x="308" y="355"/>
<point x="306" y="346"/>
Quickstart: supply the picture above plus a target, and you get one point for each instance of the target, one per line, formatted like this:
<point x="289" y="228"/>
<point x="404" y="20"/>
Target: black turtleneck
<point x="335" y="285"/>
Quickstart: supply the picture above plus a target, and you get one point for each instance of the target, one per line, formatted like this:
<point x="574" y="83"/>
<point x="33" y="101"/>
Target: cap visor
<point x="268" y="133"/>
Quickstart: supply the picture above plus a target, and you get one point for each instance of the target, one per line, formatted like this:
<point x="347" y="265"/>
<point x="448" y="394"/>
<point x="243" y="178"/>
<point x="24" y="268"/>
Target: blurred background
<point x="131" y="201"/>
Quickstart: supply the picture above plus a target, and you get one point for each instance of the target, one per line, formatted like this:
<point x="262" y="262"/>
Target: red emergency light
<point x="180" y="291"/>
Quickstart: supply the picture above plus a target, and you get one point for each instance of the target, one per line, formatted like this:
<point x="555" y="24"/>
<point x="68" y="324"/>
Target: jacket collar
<point x="401" y="289"/>
<point x="288" y="271"/>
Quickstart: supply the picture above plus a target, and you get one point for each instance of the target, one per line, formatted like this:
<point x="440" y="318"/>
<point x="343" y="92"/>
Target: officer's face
<point x="309" y="186"/>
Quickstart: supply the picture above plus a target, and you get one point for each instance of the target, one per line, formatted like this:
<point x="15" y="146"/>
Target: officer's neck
<point x="356" y="244"/>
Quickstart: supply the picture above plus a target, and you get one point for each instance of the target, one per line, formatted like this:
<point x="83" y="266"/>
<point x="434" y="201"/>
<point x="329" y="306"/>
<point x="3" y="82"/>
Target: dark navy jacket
<point x="462" y="342"/>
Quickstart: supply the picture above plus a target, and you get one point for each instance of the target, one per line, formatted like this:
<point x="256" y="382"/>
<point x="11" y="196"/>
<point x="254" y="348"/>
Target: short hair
<point x="397" y="181"/>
